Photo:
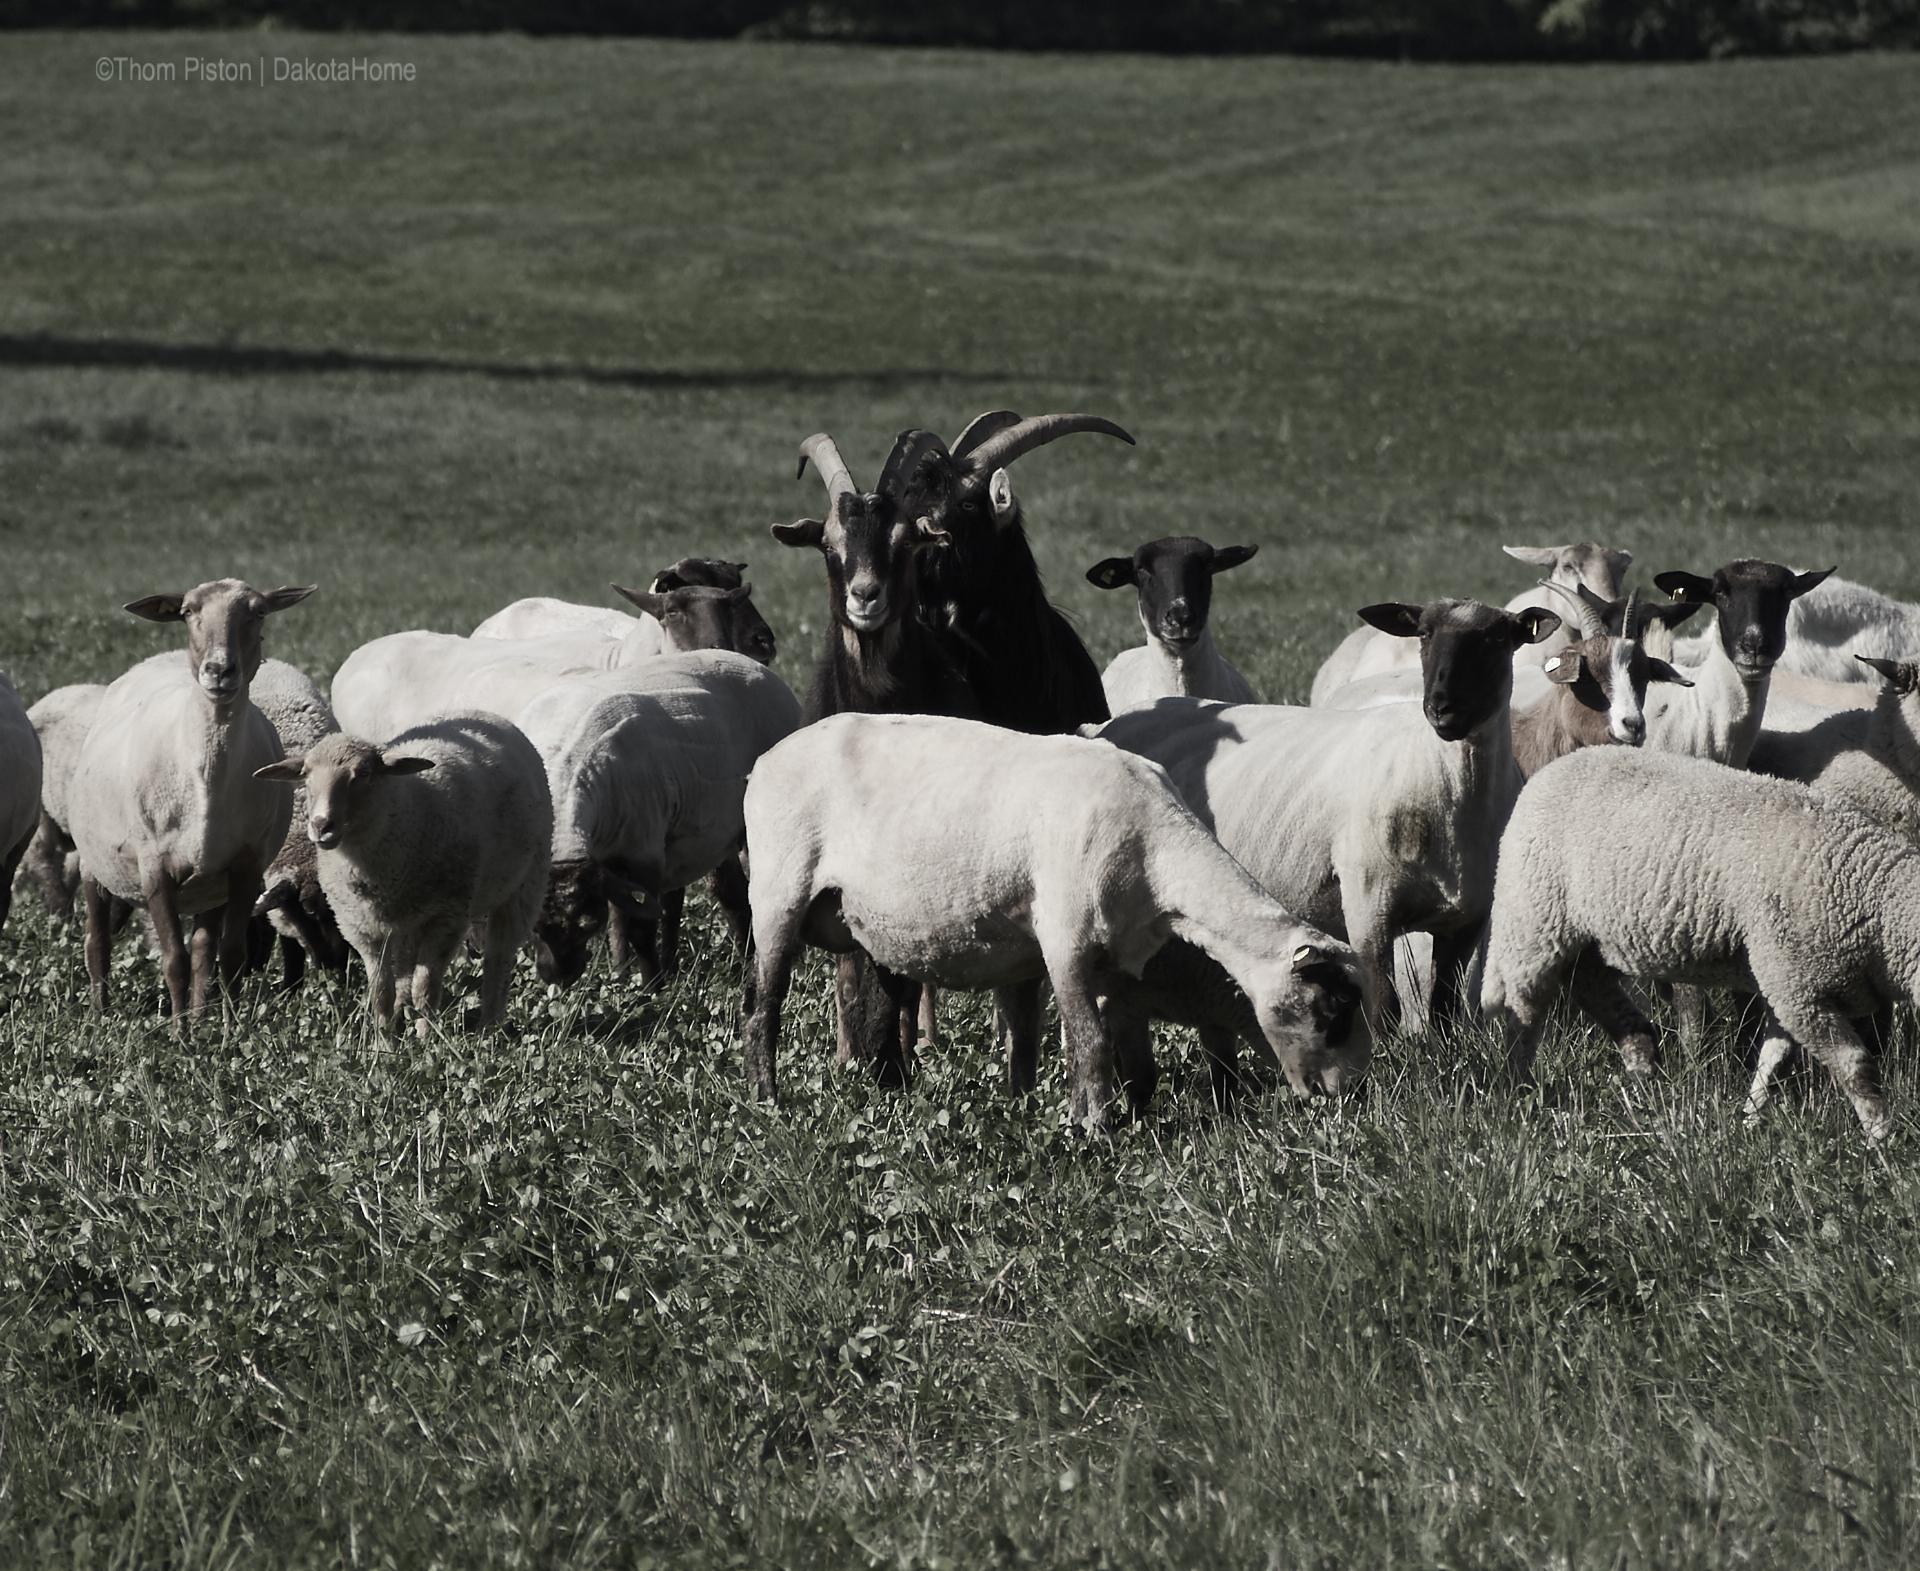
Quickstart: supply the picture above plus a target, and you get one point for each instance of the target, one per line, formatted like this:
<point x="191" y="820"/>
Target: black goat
<point x="1025" y="664"/>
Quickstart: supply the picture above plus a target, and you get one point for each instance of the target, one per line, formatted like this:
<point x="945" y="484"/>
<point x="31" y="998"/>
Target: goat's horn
<point x="980" y="427"/>
<point x="1590" y="625"/>
<point x="1004" y="446"/>
<point x="1630" y="619"/>
<point x="911" y="450"/>
<point x="833" y="468"/>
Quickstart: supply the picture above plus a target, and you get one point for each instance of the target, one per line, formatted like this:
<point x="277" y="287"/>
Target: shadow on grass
<point x="53" y="350"/>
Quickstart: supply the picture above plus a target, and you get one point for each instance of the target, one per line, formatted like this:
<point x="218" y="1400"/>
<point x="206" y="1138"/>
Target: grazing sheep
<point x="1174" y="578"/>
<point x="61" y="720"/>
<point x="1365" y="652"/>
<point x="1368" y="823"/>
<point x="20" y="767"/>
<point x="1023" y="661"/>
<point x="1719" y="716"/>
<point x="647" y="770"/>
<point x="445" y="826"/>
<point x="1624" y="862"/>
<point x="1869" y="759"/>
<point x="292" y="900"/>
<point x="163" y="806"/>
<point x="972" y="856"/>
<point x="541" y="616"/>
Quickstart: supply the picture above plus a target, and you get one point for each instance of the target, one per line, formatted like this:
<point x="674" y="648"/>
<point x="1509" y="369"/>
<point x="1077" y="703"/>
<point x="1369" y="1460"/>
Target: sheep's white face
<point x="1316" y="1022"/>
<point x="224" y="623"/>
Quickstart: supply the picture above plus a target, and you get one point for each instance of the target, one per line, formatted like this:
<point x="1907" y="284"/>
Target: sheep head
<point x="1597" y="567"/>
<point x="694" y="616"/>
<point x="869" y="544"/>
<point x="751" y="635"/>
<point x="1752" y="599"/>
<point x="580" y="895"/>
<point x="1316" y="1020"/>
<point x="343" y="776"/>
<point x="1466" y="656"/>
<point x="224" y="623"/>
<point x="1174" y="578"/>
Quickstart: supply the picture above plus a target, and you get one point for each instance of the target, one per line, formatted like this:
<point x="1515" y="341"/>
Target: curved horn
<point x="833" y="468"/>
<point x="980" y="427"/>
<point x="1630" y="618"/>
<point x="913" y="453"/>
<point x="1004" y="446"/>
<point x="1590" y="624"/>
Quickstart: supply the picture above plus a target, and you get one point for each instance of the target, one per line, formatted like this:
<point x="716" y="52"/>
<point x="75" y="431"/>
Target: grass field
<point x="557" y="313"/>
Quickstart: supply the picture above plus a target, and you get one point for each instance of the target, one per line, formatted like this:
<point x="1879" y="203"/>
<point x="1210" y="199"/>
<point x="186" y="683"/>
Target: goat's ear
<point x="405" y="766"/>
<point x="1685" y="586"/>
<point x="1533" y="555"/>
<point x="1114" y="573"/>
<point x="1533" y="624"/>
<point x="654" y="605"/>
<point x="1660" y="671"/>
<point x="1903" y="676"/>
<point x="158" y="608"/>
<point x="286" y="769"/>
<point x="1230" y="556"/>
<point x="1000" y="492"/>
<point x="1566" y="667"/>
<point x="1403" y="621"/>
<point x="282" y="598"/>
<point x="1807" y="581"/>
<point x="808" y="531"/>
<point x="927" y="532"/>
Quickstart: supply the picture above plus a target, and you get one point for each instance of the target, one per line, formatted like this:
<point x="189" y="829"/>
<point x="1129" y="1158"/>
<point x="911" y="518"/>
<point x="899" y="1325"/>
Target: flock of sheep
<point x="1482" y="806"/>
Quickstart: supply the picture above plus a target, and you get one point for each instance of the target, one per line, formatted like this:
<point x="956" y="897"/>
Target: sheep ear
<point x="808" y="531"/>
<point x="280" y="599"/>
<point x="1566" y="667"/>
<point x="1230" y="556"/>
<point x="1618" y="560"/>
<point x="664" y="582"/>
<point x="1534" y="623"/>
<point x="405" y="766"/>
<point x="1685" y="586"/>
<point x="1403" y="621"/>
<point x="1903" y="676"/>
<point x="1533" y="555"/>
<point x="654" y="605"/>
<point x="1660" y="671"/>
<point x="1000" y="492"/>
<point x="1114" y="573"/>
<point x="286" y="769"/>
<point x="158" y="608"/>
<point x="740" y="595"/>
<point x="1670" y="615"/>
<point x="1808" y="581"/>
<point x="629" y="893"/>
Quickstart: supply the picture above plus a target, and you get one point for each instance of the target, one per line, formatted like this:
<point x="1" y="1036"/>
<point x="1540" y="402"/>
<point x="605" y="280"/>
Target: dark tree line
<point x="1414" y="29"/>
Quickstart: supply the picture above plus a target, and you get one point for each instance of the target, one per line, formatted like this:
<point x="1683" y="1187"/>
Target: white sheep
<point x="292" y="900"/>
<point x="1174" y="581"/>
<point x="163" y="806"/>
<point x="647" y="769"/>
<point x="1869" y="759"/>
<point x="20" y="766"/>
<point x="970" y="856"/>
<point x="404" y="680"/>
<point x="539" y="615"/>
<point x="61" y="720"/>
<point x="1368" y="823"/>
<point x="443" y="827"/>
<point x="1641" y="864"/>
<point x="1367" y="652"/>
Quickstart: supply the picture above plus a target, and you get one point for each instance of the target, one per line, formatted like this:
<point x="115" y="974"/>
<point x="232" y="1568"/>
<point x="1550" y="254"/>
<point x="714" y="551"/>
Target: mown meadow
<point x="556" y="313"/>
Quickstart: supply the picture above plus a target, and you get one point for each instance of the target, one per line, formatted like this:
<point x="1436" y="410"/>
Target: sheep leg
<point x="1453" y="952"/>
<point x="766" y="992"/>
<point x="1829" y="1038"/>
<point x="46" y="866"/>
<point x="496" y="970"/>
<point x="619" y="940"/>
<point x="163" y="912"/>
<point x="244" y="883"/>
<point x="100" y="930"/>
<point x="1690" y="1009"/>
<point x="1602" y="993"/>
<point x="1775" y="1050"/>
<point x="1089" y="1048"/>
<point x="1371" y="935"/>
<point x="1016" y="1033"/>
<point x="1132" y="1035"/>
<point x="869" y="1029"/>
<point x="672" y="907"/>
<point x="293" y="964"/>
<point x="727" y="884"/>
<point x="929" y="1022"/>
<point x="205" y="941"/>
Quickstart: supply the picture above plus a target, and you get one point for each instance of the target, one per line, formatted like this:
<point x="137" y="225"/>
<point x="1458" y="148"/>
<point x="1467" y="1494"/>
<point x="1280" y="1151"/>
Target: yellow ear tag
<point x="1301" y="953"/>
<point x="1554" y="663"/>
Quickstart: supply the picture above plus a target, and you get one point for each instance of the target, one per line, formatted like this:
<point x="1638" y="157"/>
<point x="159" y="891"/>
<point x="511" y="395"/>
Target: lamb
<point x="1368" y="823"/>
<point x="163" y="806"/>
<point x="1869" y="759"/>
<point x="20" y="770"/>
<point x="293" y="901"/>
<point x="1031" y="855"/>
<point x="61" y="721"/>
<point x="1365" y="652"/>
<point x="1719" y="716"/>
<point x="1174" y="578"/>
<point x="443" y="827"/>
<point x="1630" y="863"/>
<point x="1022" y="659"/>
<point x="646" y="771"/>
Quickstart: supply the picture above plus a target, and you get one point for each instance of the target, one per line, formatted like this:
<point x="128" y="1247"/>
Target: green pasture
<point x="557" y="313"/>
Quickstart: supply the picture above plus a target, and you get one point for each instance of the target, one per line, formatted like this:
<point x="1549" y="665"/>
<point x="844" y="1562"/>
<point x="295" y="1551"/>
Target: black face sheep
<point x="445" y="826"/>
<point x="972" y="856"/>
<point x="751" y="635"/>
<point x="1174" y="580"/>
<point x="1625" y="862"/>
<point x="163" y="804"/>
